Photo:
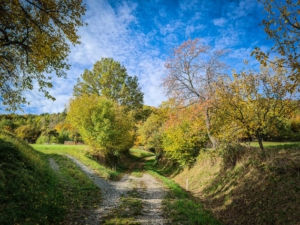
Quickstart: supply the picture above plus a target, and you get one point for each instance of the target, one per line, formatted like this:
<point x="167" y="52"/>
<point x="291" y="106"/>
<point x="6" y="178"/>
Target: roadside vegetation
<point x="32" y="193"/>
<point x="230" y="140"/>
<point x="179" y="206"/>
<point x="79" y="152"/>
<point x="247" y="187"/>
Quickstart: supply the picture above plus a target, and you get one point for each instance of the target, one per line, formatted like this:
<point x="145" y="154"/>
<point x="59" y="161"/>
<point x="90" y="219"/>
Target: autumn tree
<point x="150" y="131"/>
<point x="34" y="42"/>
<point x="103" y="124"/>
<point x="28" y="132"/>
<point x="282" y="26"/>
<point x="253" y="102"/>
<point x="109" y="78"/>
<point x="184" y="134"/>
<point x="192" y="72"/>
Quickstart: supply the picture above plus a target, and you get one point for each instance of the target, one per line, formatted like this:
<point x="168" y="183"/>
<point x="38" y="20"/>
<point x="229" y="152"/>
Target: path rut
<point x="151" y="190"/>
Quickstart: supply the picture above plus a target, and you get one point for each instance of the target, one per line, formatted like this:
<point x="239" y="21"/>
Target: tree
<point x="283" y="27"/>
<point x="34" y="42"/>
<point x="252" y="103"/>
<point x="151" y="131"/>
<point x="109" y="79"/>
<point x="184" y="134"/>
<point x="192" y="72"/>
<point x="103" y="124"/>
<point x="28" y="132"/>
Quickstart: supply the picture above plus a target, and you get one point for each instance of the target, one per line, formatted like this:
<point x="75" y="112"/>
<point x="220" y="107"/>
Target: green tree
<point x="28" y="132"/>
<point x="283" y="27"/>
<point x="151" y="131"/>
<point x="252" y="103"/>
<point x="34" y="42"/>
<point x="109" y="78"/>
<point x="103" y="124"/>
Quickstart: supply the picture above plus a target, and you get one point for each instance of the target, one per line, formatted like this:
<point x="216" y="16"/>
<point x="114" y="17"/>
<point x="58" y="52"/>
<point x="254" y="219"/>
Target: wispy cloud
<point x="220" y="22"/>
<point x="141" y="35"/>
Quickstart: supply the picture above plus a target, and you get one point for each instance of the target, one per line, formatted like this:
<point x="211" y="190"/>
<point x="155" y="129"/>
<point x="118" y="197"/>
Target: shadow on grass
<point x="179" y="205"/>
<point x="257" y="190"/>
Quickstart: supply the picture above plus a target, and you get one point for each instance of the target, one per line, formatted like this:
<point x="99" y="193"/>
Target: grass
<point x="179" y="206"/>
<point x="140" y="153"/>
<point x="67" y="195"/>
<point x="130" y="207"/>
<point x="257" y="189"/>
<point x="282" y="145"/>
<point x="79" y="152"/>
<point x="32" y="193"/>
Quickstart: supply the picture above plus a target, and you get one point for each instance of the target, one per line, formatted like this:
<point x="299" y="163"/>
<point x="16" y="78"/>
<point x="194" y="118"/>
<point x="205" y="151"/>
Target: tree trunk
<point x="210" y="136"/>
<point x="260" y="142"/>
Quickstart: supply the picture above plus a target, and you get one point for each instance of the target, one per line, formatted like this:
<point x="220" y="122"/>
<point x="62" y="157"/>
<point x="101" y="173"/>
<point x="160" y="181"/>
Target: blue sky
<point x="141" y="35"/>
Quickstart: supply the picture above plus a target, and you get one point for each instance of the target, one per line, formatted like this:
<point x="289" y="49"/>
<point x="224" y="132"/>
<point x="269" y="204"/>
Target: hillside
<point x="248" y="188"/>
<point x="32" y="193"/>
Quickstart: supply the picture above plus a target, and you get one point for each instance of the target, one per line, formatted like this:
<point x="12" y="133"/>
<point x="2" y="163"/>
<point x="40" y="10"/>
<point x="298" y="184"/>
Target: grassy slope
<point x="179" y="206"/>
<point x="31" y="193"/>
<point x="256" y="190"/>
<point x="79" y="152"/>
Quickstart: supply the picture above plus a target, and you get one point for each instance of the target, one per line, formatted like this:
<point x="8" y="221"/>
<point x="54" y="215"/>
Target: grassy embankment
<point x="80" y="153"/>
<point x="66" y="195"/>
<point x="180" y="206"/>
<point x="248" y="187"/>
<point x="32" y="193"/>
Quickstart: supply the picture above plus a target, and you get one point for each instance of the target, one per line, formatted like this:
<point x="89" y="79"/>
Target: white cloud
<point x="108" y="34"/>
<point x="220" y="22"/>
<point x="142" y="48"/>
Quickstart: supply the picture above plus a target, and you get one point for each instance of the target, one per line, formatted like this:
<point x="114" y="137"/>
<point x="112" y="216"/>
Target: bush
<point x="231" y="153"/>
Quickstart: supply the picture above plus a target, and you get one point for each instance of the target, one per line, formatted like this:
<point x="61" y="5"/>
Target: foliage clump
<point x="35" y="38"/>
<point x="104" y="125"/>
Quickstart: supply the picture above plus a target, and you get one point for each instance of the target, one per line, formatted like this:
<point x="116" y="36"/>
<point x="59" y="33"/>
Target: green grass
<point x="256" y="189"/>
<point x="140" y="153"/>
<point x="179" y="206"/>
<point x="32" y="193"/>
<point x="79" y="152"/>
<point x="281" y="145"/>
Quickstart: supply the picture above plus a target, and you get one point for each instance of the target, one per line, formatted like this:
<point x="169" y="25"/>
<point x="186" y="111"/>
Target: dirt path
<point x="147" y="186"/>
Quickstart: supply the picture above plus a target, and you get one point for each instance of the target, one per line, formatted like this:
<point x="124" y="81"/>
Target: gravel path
<point x="150" y="189"/>
<point x="53" y="164"/>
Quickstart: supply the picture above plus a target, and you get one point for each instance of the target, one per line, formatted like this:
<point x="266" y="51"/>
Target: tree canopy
<point x="103" y="124"/>
<point x="254" y="102"/>
<point x="109" y="78"/>
<point x="283" y="27"/>
<point x="192" y="72"/>
<point x="34" y="42"/>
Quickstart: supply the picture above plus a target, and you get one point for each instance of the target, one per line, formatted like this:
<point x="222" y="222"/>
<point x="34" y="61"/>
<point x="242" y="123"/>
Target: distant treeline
<point x="43" y="128"/>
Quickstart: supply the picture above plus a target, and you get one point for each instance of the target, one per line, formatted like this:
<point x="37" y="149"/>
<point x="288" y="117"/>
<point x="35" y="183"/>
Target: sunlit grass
<point x="32" y="193"/>
<point x="179" y="206"/>
<point x="80" y="153"/>
<point x="268" y="144"/>
<point x="141" y="153"/>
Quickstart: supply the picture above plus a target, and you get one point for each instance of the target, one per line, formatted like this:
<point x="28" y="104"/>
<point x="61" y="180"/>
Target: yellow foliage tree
<point x="34" y="41"/>
<point x="184" y="134"/>
<point x="283" y="27"/>
<point x="103" y="124"/>
<point x="253" y="102"/>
